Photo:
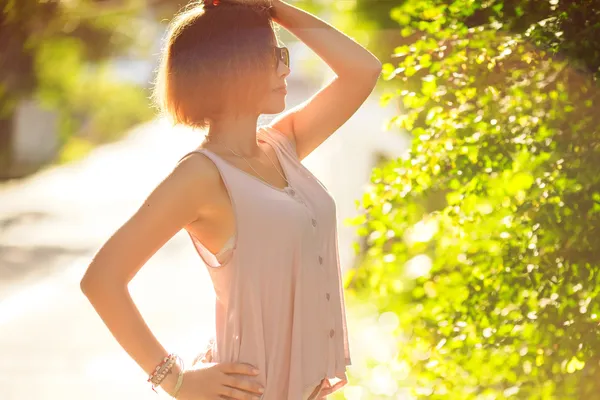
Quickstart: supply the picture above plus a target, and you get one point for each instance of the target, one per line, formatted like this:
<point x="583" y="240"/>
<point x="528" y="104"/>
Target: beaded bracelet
<point x="159" y="366"/>
<point x="161" y="370"/>
<point x="164" y="372"/>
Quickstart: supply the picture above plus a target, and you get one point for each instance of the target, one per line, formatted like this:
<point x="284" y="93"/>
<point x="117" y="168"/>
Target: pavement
<point x="52" y="343"/>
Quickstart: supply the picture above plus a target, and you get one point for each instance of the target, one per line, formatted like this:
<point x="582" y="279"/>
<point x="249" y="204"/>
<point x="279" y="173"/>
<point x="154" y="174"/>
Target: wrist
<point x="275" y="4"/>
<point x="170" y="382"/>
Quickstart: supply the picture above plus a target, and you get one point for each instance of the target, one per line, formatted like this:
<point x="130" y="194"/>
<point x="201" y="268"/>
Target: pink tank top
<point x="279" y="296"/>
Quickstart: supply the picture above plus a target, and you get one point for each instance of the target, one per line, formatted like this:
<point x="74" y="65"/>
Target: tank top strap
<point x="280" y="141"/>
<point x="201" y="151"/>
<point x="223" y="167"/>
<point x="229" y="173"/>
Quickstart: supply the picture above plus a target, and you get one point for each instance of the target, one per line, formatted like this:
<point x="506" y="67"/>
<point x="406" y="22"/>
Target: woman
<point x="262" y="223"/>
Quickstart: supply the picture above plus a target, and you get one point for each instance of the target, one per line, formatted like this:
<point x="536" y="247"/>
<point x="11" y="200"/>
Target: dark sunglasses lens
<point x="282" y="54"/>
<point x="286" y="57"/>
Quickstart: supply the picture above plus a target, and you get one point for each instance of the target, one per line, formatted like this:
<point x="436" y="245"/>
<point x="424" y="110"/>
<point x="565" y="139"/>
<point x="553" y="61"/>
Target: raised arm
<point x="357" y="70"/>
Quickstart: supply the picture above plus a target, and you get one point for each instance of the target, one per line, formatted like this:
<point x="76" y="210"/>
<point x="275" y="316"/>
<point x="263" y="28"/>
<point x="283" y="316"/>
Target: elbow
<point x="371" y="72"/>
<point x="89" y="279"/>
<point x="373" y="66"/>
<point x="92" y="284"/>
<point x="371" y="75"/>
<point x="377" y="66"/>
<point x="365" y="70"/>
<point x="87" y="284"/>
<point x="367" y="75"/>
<point x="100" y="290"/>
<point x="84" y="285"/>
<point x="376" y="69"/>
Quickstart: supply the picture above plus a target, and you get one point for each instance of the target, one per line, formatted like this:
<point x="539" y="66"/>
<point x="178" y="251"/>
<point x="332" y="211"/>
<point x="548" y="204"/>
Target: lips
<point x="282" y="89"/>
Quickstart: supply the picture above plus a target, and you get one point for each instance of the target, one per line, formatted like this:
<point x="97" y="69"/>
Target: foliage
<point x="484" y="240"/>
<point x="55" y="51"/>
<point x="44" y="32"/>
<point x="109" y="109"/>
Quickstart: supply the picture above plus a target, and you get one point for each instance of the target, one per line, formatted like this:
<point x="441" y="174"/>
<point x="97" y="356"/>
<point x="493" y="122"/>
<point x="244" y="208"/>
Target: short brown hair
<point x="208" y="58"/>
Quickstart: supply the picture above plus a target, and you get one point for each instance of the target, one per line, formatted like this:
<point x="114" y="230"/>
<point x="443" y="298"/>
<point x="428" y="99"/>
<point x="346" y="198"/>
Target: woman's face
<point x="274" y="101"/>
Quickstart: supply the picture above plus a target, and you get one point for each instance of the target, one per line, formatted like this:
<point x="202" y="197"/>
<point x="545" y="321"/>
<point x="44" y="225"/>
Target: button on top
<point x="327" y="296"/>
<point x="292" y="192"/>
<point x="331" y="333"/>
<point x="314" y="222"/>
<point x="320" y="260"/>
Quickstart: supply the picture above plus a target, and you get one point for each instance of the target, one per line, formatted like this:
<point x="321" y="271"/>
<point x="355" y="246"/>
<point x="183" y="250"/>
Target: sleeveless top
<point x="279" y="296"/>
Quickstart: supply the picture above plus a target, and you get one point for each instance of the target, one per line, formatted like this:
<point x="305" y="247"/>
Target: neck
<point x="237" y="134"/>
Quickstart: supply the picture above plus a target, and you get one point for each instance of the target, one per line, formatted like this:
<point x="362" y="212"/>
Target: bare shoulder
<point x="193" y="179"/>
<point x="195" y="166"/>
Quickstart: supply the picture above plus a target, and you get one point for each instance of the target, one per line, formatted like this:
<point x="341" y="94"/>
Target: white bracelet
<point x="179" y="378"/>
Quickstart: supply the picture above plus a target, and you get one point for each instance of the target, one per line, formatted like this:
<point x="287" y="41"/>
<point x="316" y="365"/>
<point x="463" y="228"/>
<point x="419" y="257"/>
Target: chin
<point x="274" y="108"/>
<point x="273" y="104"/>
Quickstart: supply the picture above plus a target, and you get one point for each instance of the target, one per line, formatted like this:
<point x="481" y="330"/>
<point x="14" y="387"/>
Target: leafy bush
<point x="484" y="240"/>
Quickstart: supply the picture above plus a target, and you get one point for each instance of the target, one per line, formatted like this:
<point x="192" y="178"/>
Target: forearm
<point x="341" y="53"/>
<point x="117" y="310"/>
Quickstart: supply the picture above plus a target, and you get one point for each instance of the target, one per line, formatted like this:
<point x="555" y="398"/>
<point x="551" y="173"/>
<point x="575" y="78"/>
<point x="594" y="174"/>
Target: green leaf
<point x="518" y="182"/>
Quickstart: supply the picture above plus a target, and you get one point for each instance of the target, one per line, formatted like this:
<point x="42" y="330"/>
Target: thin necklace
<point x="248" y="162"/>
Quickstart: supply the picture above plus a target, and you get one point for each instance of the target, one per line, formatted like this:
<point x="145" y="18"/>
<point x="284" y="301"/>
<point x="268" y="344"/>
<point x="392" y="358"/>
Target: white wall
<point x="35" y="134"/>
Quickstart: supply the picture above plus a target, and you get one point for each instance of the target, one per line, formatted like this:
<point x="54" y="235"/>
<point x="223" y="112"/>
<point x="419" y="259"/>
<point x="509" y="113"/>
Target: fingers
<point x="233" y="393"/>
<point x="208" y="356"/>
<point x="328" y="389"/>
<point x="325" y="387"/>
<point x="244" y="384"/>
<point x="238" y="368"/>
<point x="236" y="387"/>
<point x="340" y="385"/>
<point x="203" y="358"/>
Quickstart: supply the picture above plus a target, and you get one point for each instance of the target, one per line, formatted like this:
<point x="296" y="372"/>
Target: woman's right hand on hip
<point x="221" y="381"/>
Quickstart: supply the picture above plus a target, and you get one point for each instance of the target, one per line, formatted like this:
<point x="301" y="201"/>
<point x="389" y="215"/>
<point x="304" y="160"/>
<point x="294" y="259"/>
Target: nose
<point x="283" y="70"/>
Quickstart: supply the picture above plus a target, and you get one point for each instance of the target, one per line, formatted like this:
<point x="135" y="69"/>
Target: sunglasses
<point x="282" y="54"/>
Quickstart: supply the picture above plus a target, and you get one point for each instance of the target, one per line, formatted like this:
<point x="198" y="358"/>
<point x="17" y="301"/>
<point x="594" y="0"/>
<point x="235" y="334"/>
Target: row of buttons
<point x="292" y="193"/>
<point x="327" y="296"/>
<point x="314" y="224"/>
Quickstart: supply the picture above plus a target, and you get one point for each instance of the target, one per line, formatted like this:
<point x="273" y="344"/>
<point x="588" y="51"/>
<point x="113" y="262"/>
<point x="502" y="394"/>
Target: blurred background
<point x="467" y="185"/>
